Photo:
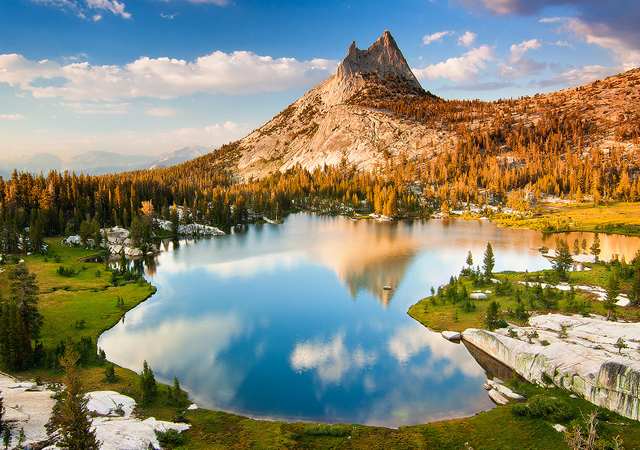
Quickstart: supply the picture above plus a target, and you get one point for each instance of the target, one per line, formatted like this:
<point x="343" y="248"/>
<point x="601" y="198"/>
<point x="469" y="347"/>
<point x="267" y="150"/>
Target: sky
<point x="152" y="76"/>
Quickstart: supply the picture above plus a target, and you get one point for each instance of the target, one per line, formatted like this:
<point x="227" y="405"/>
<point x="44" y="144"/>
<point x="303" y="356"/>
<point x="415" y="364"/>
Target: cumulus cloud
<point x="11" y="116"/>
<point x="521" y="65"/>
<point x="462" y="68"/>
<point x="435" y="37"/>
<point x="580" y="76"/>
<point x="624" y="45"/>
<point x="234" y="73"/>
<point x="520" y="7"/>
<point x="611" y="24"/>
<point x="84" y="8"/>
<point x="467" y="39"/>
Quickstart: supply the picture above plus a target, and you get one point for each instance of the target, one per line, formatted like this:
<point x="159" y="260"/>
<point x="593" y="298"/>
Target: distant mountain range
<point x="98" y="163"/>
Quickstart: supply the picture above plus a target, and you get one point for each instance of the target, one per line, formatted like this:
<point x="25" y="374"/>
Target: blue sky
<point x="150" y="76"/>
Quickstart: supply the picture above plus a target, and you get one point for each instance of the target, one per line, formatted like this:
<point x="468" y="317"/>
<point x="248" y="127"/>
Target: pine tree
<point x="147" y="384"/>
<point x="175" y="220"/>
<point x="489" y="261"/>
<point x="613" y="290"/>
<point x="70" y="417"/>
<point x="493" y="315"/>
<point x="176" y="396"/>
<point x="469" y="259"/>
<point x="14" y="344"/>
<point x="563" y="260"/>
<point x="24" y="291"/>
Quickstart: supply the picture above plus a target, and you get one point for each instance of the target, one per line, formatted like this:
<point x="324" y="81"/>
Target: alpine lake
<point x="307" y="320"/>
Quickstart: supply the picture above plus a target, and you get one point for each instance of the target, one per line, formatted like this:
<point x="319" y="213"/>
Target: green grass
<point x="442" y="316"/>
<point x="63" y="309"/>
<point x="613" y="218"/>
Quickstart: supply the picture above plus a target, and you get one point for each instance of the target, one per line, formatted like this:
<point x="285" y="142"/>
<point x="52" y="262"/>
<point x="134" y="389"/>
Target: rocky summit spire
<point x="382" y="57"/>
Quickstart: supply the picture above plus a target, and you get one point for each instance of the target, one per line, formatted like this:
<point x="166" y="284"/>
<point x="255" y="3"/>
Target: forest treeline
<point x="509" y="152"/>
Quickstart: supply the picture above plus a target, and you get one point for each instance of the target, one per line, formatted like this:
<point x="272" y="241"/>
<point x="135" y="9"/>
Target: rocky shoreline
<point x="594" y="358"/>
<point x="118" y="240"/>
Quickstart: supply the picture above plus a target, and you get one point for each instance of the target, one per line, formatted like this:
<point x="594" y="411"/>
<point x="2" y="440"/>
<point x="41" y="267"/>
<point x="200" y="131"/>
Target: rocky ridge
<point x="373" y="111"/>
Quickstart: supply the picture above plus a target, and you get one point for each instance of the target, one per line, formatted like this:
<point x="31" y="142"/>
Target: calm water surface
<point x="292" y="321"/>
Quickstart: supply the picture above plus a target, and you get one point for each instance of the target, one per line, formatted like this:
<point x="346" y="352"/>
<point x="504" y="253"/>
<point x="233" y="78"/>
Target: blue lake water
<point x="292" y="322"/>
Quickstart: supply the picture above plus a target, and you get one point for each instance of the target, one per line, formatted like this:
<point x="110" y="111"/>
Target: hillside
<point x="373" y="109"/>
<point x="324" y="127"/>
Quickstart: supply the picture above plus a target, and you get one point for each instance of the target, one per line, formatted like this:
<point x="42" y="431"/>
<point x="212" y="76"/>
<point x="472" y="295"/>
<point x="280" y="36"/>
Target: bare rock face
<point x="576" y="353"/>
<point x="322" y="127"/>
<point x="383" y="58"/>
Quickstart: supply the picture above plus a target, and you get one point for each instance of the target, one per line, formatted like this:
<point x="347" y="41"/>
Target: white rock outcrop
<point x="28" y="407"/>
<point x="581" y="356"/>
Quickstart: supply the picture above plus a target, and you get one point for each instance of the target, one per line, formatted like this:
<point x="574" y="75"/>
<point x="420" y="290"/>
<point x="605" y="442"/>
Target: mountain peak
<point x="382" y="57"/>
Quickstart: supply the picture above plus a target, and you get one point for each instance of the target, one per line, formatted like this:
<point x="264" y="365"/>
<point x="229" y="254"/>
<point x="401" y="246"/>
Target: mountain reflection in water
<point x="292" y="321"/>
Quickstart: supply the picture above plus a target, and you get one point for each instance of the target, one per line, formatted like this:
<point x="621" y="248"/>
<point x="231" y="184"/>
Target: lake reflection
<point x="292" y="321"/>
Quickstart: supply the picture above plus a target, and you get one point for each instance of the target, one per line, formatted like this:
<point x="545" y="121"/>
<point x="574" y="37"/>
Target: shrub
<point x="170" y="438"/>
<point x="550" y="408"/>
<point x="519" y="409"/>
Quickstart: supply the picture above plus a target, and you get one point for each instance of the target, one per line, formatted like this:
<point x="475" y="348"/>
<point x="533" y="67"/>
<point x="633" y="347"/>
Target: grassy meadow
<point x="613" y="218"/>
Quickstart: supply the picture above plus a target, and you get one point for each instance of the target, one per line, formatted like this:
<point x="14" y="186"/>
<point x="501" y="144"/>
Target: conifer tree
<point x="613" y="290"/>
<point x="489" y="261"/>
<point x="24" y="291"/>
<point x="563" y="260"/>
<point x="493" y="315"/>
<point x="14" y="344"/>
<point x="147" y="384"/>
<point x="69" y="421"/>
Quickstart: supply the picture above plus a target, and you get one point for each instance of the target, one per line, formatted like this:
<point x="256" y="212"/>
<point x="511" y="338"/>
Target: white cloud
<point x="517" y="51"/>
<point x="428" y="39"/>
<point x="463" y="68"/>
<point x="83" y="8"/>
<point x="235" y="73"/>
<point x="11" y="116"/>
<point x="611" y="24"/>
<point x="521" y="65"/>
<point x="581" y="75"/>
<point x="625" y="50"/>
<point x="467" y="39"/>
<point x="550" y="19"/>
